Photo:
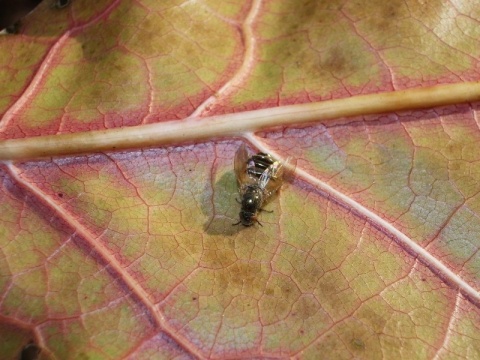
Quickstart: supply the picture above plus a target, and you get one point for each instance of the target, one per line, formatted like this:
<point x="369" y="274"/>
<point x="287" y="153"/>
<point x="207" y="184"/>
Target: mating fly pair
<point x="259" y="177"/>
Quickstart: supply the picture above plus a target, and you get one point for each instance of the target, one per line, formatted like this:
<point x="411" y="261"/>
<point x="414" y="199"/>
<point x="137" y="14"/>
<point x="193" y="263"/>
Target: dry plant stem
<point x="197" y="129"/>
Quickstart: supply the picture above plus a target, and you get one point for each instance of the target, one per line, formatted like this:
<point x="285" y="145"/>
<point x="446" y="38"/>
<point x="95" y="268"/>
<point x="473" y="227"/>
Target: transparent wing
<point x="240" y="166"/>
<point x="289" y="167"/>
<point x="240" y="162"/>
<point x="268" y="176"/>
<point x="273" y="177"/>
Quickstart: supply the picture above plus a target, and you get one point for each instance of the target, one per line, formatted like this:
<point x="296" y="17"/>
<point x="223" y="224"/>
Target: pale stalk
<point x="236" y="124"/>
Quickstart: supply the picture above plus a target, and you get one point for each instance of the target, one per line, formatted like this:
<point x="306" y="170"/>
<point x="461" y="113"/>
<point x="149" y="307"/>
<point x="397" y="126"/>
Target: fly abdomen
<point x="258" y="163"/>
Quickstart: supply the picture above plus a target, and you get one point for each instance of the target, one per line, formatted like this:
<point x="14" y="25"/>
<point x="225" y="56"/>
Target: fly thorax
<point x="252" y="199"/>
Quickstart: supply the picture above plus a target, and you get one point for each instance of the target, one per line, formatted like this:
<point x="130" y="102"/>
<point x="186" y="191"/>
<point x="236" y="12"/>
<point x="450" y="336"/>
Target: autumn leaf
<point x="119" y="125"/>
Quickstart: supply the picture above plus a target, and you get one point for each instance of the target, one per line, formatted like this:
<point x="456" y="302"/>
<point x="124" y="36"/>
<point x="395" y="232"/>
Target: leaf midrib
<point x="193" y="129"/>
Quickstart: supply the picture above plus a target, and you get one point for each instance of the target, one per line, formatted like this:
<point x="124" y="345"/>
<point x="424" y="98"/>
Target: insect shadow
<point x="220" y="206"/>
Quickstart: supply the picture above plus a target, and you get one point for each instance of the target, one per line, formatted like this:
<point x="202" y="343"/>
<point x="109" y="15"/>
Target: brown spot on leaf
<point x="373" y="318"/>
<point x="249" y="277"/>
<point x="335" y="61"/>
<point x="283" y="294"/>
<point x="358" y="344"/>
<point x="306" y="308"/>
<point x="242" y="277"/>
<point x="218" y="259"/>
<point x="386" y="14"/>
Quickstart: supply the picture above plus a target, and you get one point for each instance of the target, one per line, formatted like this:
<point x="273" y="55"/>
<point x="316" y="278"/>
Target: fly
<point x="259" y="177"/>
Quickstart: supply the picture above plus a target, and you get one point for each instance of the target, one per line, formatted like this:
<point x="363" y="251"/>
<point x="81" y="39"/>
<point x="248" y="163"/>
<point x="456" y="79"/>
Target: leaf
<point x="372" y="251"/>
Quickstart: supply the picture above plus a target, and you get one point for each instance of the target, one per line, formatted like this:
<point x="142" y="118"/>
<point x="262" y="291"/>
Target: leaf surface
<point x="371" y="252"/>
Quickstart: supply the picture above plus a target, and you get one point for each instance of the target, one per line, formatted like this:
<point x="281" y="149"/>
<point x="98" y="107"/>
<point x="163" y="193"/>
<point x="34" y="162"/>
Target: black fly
<point x="259" y="177"/>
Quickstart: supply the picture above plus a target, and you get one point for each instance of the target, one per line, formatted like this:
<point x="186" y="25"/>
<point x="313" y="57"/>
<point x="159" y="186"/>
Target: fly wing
<point x="273" y="177"/>
<point x="288" y="168"/>
<point x="240" y="166"/>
